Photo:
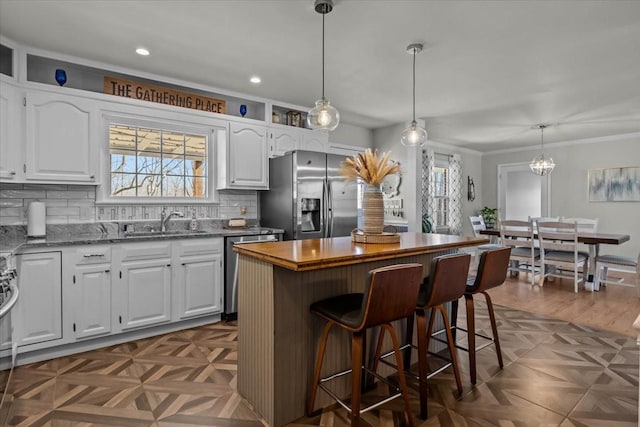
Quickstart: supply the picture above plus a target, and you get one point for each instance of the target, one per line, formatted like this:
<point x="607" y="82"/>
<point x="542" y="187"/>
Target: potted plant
<point x="490" y="216"/>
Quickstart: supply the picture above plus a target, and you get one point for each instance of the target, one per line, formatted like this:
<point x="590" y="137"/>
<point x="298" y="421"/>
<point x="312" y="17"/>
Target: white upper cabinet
<point x="283" y="139"/>
<point x="10" y="131"/>
<point x="60" y="138"/>
<point x="242" y="158"/>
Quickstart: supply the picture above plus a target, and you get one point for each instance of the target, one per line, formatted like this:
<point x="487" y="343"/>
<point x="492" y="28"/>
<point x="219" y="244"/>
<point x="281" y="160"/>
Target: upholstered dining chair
<point x="559" y="249"/>
<point x="477" y="224"/>
<point x="519" y="236"/>
<point x="604" y="263"/>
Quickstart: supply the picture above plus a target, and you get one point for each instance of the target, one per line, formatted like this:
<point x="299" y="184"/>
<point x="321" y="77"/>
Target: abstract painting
<point x="614" y="185"/>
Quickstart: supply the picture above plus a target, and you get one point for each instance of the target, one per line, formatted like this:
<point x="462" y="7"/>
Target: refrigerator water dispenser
<point x="310" y="214"/>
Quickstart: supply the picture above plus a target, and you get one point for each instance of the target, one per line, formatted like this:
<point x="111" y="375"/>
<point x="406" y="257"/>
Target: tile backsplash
<point x="67" y="204"/>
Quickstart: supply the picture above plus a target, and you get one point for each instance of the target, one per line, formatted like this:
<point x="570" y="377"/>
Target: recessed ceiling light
<point x="255" y="80"/>
<point x="142" y="51"/>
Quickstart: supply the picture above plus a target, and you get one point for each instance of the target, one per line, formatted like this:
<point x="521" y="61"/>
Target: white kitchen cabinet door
<point x="143" y="295"/>
<point x="11" y="110"/>
<point x="60" y="138"/>
<point x="248" y="161"/>
<point x="198" y="282"/>
<point x="282" y="140"/>
<point x="315" y="140"/>
<point x="39" y="305"/>
<point x="197" y="277"/>
<point x="89" y="287"/>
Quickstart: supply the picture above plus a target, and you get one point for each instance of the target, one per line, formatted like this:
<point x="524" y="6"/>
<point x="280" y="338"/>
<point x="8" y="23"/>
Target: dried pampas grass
<point x="369" y="167"/>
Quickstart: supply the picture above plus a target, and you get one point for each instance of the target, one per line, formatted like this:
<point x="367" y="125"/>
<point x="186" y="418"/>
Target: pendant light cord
<point x="323" y="54"/>
<point x="414" y="84"/>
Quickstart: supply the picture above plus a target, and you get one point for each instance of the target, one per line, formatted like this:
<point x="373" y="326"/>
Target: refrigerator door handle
<point x="325" y="207"/>
<point x="330" y="208"/>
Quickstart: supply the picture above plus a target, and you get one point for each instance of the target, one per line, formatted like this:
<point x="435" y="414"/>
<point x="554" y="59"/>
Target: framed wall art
<point x="614" y="185"/>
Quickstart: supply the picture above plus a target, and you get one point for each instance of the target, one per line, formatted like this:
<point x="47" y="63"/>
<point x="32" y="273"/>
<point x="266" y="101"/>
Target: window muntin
<point x="152" y="163"/>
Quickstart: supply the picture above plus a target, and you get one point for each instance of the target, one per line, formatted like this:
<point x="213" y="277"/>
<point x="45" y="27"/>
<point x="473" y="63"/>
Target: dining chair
<point x="519" y="236"/>
<point x="559" y="254"/>
<point x="604" y="263"/>
<point x="477" y="224"/>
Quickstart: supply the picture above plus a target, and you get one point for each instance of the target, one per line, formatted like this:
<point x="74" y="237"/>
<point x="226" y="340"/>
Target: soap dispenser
<point x="194" y="222"/>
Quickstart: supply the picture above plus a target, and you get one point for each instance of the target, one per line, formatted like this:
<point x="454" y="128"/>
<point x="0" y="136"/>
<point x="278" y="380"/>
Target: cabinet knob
<point x="12" y="173"/>
<point x="92" y="177"/>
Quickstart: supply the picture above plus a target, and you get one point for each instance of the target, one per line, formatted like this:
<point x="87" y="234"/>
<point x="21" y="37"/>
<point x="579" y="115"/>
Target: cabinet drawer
<point x="145" y="250"/>
<point x="92" y="255"/>
<point x="199" y="246"/>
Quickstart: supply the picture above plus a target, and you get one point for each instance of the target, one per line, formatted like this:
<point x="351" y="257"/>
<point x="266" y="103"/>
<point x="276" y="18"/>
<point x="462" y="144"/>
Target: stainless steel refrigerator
<point x="308" y="198"/>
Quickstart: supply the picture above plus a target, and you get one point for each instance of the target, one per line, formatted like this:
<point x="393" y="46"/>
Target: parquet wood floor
<point x="556" y="373"/>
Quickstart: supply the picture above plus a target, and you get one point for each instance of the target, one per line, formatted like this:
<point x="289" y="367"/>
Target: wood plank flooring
<point x="556" y="373"/>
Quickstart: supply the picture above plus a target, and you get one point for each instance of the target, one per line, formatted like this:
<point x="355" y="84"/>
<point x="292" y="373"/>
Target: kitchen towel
<point x="36" y="219"/>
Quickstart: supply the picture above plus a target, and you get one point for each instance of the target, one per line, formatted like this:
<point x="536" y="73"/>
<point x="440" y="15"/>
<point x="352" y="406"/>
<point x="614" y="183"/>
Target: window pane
<point x="123" y="184"/>
<point x="149" y="163"/>
<point x="123" y="161"/>
<point x="196" y="186"/>
<point x="149" y="140"/>
<point x="196" y="145"/>
<point x="172" y="143"/>
<point x="149" y="185"/>
<point x="122" y="137"/>
<point x="196" y="166"/>
<point x="172" y="165"/>
<point x="173" y="186"/>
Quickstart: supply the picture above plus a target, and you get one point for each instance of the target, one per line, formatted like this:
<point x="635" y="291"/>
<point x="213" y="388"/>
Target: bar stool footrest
<point x="398" y="391"/>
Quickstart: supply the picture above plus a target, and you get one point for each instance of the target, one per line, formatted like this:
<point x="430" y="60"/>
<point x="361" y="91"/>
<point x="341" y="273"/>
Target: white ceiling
<point x="489" y="72"/>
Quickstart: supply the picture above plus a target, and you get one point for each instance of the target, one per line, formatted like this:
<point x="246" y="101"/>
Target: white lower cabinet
<point x="197" y="279"/>
<point x="39" y="306"/>
<point x="87" y="287"/>
<point x="142" y="291"/>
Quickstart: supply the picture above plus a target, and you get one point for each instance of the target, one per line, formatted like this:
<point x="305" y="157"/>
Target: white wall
<point x="569" y="183"/>
<point x="348" y="134"/>
<point x="388" y="138"/>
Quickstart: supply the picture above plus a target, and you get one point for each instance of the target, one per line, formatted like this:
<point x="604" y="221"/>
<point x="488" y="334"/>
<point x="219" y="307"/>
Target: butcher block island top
<point x="314" y="254"/>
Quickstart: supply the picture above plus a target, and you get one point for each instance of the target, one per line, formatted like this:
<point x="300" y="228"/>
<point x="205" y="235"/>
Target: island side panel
<point x="297" y="331"/>
<point x="255" y="335"/>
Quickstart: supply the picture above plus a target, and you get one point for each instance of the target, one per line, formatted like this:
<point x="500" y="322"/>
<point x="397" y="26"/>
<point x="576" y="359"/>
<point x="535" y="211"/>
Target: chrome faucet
<point x="164" y="218"/>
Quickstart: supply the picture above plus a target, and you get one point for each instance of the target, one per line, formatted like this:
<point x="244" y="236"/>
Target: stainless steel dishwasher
<point x="231" y="270"/>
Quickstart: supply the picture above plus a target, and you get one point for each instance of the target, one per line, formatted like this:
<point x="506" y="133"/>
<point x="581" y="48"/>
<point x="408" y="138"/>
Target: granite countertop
<point x="14" y="240"/>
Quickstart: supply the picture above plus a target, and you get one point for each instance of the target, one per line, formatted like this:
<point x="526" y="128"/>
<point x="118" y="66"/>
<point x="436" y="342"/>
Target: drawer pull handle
<point x="92" y="255"/>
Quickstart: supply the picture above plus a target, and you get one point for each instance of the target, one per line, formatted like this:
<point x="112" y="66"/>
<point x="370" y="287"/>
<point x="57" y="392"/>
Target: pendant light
<point x="414" y="134"/>
<point x="542" y="165"/>
<point x="323" y="115"/>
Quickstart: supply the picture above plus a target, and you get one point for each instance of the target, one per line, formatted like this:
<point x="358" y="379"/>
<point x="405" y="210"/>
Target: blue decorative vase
<point x="243" y="110"/>
<point x="61" y="76"/>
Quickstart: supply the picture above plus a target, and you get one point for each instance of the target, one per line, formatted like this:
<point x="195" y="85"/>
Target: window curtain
<point x="428" y="191"/>
<point x="455" y="194"/>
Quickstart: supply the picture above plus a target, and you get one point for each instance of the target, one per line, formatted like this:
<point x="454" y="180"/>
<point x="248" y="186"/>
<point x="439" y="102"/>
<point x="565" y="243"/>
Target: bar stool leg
<point x="452" y="347"/>
<point x="423" y="345"/>
<point x="316" y="372"/>
<point x="471" y="336"/>
<point x="401" y="377"/>
<point x="356" y="376"/>
<point x="494" y="328"/>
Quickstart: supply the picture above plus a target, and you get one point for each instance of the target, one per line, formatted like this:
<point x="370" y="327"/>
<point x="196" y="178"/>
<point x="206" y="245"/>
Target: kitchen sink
<point x="148" y="233"/>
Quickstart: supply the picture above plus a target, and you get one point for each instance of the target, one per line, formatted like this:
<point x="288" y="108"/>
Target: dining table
<point x="593" y="240"/>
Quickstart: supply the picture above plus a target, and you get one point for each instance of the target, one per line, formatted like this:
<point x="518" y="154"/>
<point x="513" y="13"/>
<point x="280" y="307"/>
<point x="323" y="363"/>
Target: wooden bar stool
<point x="446" y="282"/>
<point x="492" y="272"/>
<point x="390" y="294"/>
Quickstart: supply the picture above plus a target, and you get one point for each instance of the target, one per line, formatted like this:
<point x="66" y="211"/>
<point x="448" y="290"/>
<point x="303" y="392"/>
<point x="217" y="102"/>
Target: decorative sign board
<point x="147" y="92"/>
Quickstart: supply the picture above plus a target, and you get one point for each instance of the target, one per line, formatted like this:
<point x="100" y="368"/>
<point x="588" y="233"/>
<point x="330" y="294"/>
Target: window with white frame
<point x="149" y="162"/>
<point x="441" y="194"/>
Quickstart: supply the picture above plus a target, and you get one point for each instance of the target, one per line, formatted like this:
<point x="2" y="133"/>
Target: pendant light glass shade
<point x="542" y="165"/>
<point x="414" y="135"/>
<point x="323" y="115"/>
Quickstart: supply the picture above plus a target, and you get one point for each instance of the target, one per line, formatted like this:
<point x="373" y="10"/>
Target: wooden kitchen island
<point x="278" y="336"/>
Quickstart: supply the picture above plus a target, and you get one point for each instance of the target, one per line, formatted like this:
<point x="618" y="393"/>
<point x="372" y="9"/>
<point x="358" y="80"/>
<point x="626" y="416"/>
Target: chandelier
<point x="542" y="165"/>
